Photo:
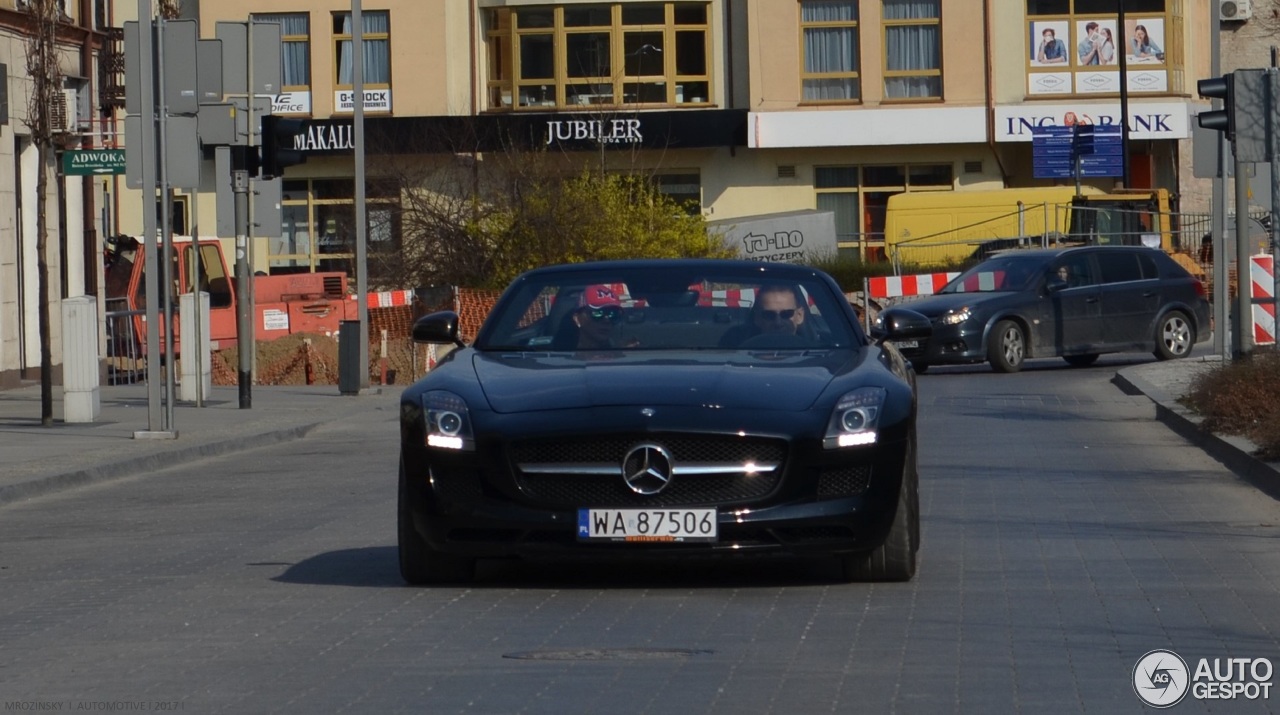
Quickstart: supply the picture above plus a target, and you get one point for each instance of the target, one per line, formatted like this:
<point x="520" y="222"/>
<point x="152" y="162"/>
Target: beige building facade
<point x="73" y="238"/>
<point x="751" y="108"/>
<point x="747" y="108"/>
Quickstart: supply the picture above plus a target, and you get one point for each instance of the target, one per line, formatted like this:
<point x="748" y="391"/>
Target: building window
<point x="318" y="224"/>
<point x="1074" y="47"/>
<point x="377" y="49"/>
<point x="295" y="38"/>
<point x="912" y="49"/>
<point x="683" y="187"/>
<point x="859" y="195"/>
<point x="829" y="32"/>
<point x="599" y="55"/>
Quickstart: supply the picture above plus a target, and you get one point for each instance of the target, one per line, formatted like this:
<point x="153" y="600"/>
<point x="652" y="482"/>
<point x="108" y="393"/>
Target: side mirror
<point x="440" y="327"/>
<point x="901" y="324"/>
<point x="1055" y="284"/>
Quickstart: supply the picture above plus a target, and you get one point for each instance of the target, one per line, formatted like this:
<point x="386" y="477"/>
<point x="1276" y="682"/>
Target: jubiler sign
<point x="604" y="131"/>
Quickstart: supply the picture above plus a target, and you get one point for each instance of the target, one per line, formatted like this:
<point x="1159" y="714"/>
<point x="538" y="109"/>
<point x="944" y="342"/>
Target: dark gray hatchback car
<point x="1076" y="303"/>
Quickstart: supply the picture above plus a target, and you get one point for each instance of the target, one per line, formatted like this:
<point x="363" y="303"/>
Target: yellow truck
<point x="936" y="228"/>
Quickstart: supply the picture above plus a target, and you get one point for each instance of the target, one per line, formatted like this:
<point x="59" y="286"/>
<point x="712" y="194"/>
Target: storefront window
<point x="318" y="222"/>
<point x="859" y="195"/>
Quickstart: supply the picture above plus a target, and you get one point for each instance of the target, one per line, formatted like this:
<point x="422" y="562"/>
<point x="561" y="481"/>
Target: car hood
<point x="529" y="382"/>
<point x="936" y="305"/>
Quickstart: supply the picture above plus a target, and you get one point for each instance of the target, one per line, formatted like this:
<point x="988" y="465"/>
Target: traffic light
<point x="1222" y="120"/>
<point x="1245" y="105"/>
<point x="278" y="145"/>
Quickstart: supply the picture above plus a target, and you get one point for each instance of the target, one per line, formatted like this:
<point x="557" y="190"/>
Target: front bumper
<point x="824" y="502"/>
<point x="949" y="344"/>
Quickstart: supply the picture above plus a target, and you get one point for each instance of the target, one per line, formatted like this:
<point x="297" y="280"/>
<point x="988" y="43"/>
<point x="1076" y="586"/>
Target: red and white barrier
<point x="389" y="298"/>
<point x="1262" y="277"/>
<point x="905" y="286"/>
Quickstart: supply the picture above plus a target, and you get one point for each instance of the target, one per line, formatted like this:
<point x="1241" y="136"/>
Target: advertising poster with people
<point x="1096" y="43"/>
<point x="1049" y="44"/>
<point x="1145" y="39"/>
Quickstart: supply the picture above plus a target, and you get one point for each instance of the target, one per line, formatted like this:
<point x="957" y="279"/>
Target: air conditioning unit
<point x="1235" y="10"/>
<point x="63" y="113"/>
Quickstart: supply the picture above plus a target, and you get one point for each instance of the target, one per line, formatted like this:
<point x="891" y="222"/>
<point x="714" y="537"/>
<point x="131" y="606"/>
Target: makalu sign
<point x="787" y="237"/>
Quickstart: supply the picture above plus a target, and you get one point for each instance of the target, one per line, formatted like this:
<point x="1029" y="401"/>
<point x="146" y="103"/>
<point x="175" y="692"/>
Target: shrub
<point x="1242" y="398"/>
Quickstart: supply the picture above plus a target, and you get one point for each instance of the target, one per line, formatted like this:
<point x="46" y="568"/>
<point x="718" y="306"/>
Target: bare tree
<point x="46" y="89"/>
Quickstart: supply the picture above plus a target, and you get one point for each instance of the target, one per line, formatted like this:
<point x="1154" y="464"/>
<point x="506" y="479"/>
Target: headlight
<point x="448" y="425"/>
<point x="956" y="316"/>
<point x="856" y="419"/>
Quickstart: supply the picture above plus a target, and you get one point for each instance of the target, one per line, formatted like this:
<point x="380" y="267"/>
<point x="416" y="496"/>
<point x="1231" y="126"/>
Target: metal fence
<point x="126" y="357"/>
<point x="1177" y="233"/>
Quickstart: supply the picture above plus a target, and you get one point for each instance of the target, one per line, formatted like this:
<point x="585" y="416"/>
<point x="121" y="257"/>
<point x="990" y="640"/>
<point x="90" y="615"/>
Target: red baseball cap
<point x="598" y="296"/>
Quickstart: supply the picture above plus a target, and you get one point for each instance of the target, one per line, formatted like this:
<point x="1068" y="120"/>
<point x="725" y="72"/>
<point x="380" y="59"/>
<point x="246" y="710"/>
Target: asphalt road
<point x="1066" y="534"/>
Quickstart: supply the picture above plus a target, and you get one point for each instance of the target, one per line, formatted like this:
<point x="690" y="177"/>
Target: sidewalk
<point x="38" y="460"/>
<point x="1167" y="381"/>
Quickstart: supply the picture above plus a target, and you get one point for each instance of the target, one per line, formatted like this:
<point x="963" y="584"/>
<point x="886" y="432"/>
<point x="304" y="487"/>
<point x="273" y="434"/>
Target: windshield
<point x="677" y="308"/>
<point x="1010" y="272"/>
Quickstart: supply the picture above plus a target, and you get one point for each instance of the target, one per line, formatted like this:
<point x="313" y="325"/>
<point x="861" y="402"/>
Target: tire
<point x="1081" y="360"/>
<point x="420" y="564"/>
<point x="920" y="367"/>
<point x="1007" y="347"/>
<point x="896" y="558"/>
<point x="1174" y="336"/>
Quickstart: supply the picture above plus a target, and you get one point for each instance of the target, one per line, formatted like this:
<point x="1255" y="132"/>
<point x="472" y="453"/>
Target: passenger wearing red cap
<point x="598" y="312"/>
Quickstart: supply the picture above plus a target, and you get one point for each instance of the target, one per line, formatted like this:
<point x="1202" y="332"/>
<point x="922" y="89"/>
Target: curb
<point x="159" y="460"/>
<point x="1236" y="453"/>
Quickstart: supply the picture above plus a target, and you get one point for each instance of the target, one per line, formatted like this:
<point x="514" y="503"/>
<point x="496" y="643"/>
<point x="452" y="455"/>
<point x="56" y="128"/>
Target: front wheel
<point x="920" y="367"/>
<point x="896" y="558"/>
<point x="1007" y="347"/>
<point x="1174" y="336"/>
<point x="420" y="564"/>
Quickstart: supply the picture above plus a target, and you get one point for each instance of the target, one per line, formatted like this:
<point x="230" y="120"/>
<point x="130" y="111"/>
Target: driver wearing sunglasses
<point x="777" y="312"/>
<point x="598" y="313"/>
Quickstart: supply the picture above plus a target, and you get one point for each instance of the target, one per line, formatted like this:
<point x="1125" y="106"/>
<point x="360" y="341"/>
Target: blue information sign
<point x="1054" y="151"/>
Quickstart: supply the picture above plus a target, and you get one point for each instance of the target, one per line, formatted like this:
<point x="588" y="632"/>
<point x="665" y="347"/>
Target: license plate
<point x="906" y="344"/>
<point x="647" y="525"/>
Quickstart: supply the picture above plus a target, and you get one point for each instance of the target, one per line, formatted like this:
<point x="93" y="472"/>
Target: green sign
<point x="88" y="162"/>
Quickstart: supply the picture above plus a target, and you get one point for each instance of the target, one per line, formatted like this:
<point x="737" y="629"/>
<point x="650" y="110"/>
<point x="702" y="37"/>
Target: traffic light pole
<point x="1218" y="229"/>
<point x="1241" y="324"/>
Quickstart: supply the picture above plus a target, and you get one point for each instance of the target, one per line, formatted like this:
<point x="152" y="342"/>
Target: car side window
<point x="1119" y="266"/>
<point x="1148" y="264"/>
<point x="1076" y="271"/>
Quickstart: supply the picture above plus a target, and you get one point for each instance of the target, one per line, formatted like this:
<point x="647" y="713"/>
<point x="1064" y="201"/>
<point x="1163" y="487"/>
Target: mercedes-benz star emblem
<point x="647" y="468"/>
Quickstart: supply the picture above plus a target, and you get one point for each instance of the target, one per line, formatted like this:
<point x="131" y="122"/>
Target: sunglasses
<point x="612" y="314"/>
<point x="778" y="314"/>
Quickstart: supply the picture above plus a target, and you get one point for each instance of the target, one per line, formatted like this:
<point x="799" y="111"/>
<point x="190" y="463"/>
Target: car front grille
<point x="548" y="471"/>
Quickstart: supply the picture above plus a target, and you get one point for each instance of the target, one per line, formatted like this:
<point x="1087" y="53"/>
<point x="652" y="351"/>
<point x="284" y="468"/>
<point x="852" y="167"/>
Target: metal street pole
<point x="147" y="98"/>
<point x="1123" y="48"/>
<point x="362" y="253"/>
<point x="165" y="267"/>
<point x="1273" y="141"/>
<point x="1218" y="226"/>
<point x="244" y="278"/>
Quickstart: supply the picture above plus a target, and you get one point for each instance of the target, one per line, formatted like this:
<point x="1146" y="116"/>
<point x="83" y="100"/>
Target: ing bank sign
<point x="1147" y="120"/>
